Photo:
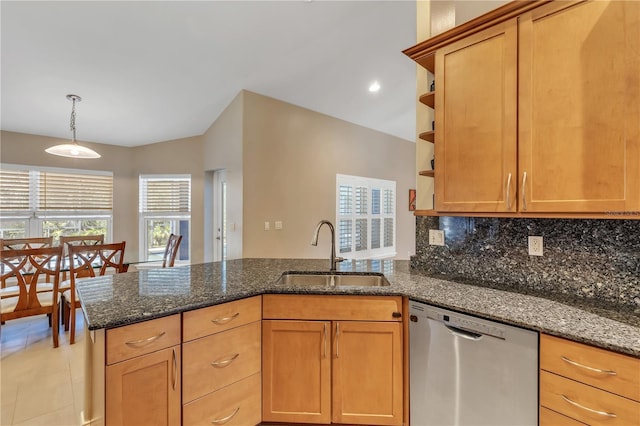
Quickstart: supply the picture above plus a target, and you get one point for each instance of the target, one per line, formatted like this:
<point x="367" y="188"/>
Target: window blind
<point x="165" y="194"/>
<point x="14" y="190"/>
<point x="73" y="191"/>
<point x="46" y="190"/>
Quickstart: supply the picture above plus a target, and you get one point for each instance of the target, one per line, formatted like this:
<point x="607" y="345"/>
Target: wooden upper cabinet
<point x="475" y="149"/>
<point x="579" y="91"/>
<point x="537" y="111"/>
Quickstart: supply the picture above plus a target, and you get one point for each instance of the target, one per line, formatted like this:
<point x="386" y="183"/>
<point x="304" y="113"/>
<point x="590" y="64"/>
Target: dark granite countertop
<point x="115" y="300"/>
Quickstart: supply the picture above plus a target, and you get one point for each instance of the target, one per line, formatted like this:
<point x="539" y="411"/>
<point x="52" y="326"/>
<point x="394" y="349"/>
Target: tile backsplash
<point x="596" y="260"/>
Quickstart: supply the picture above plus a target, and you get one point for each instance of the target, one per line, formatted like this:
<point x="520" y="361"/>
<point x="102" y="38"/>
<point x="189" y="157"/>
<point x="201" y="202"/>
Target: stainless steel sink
<point x="336" y="279"/>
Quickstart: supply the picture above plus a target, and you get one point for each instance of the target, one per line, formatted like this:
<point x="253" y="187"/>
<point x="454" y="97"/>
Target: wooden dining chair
<point x="25" y="243"/>
<point x="171" y="250"/>
<point x="24" y="268"/>
<point x="76" y="240"/>
<point x="87" y="262"/>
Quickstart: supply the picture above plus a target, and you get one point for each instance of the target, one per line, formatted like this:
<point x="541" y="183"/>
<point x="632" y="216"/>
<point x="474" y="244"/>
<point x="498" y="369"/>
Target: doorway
<point x="219" y="215"/>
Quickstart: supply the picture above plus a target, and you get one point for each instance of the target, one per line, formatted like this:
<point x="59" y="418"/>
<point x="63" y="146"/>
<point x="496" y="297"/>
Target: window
<point x="36" y="201"/>
<point x="365" y="217"/>
<point x="165" y="208"/>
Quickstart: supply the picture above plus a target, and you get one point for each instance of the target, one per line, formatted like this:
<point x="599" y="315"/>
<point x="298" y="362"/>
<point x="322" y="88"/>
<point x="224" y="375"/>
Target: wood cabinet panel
<point x="581" y="362"/>
<point x="339" y="308"/>
<point x="551" y="418"/>
<point x="296" y="368"/>
<point x="367" y="373"/>
<point x="216" y="361"/>
<point x="235" y="405"/>
<point x="475" y="139"/>
<point x="144" y="390"/>
<point x="205" y="321"/>
<point x="586" y="403"/>
<point x="142" y="338"/>
<point x="579" y="86"/>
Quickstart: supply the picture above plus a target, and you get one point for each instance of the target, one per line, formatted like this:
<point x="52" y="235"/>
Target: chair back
<point x="25" y="243"/>
<point x="171" y="250"/>
<point x="78" y="240"/>
<point x="24" y="267"/>
<point x="94" y="260"/>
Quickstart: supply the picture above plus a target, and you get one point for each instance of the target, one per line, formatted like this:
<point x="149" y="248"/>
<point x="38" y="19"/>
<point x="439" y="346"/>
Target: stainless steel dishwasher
<point x="470" y="371"/>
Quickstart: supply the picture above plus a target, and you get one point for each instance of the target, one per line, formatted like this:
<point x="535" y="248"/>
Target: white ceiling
<point x="151" y="71"/>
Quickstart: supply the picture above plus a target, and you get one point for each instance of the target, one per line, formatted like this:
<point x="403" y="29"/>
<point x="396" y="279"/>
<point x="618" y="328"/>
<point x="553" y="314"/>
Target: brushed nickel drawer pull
<point x="337" y="340"/>
<point x="175" y="369"/>
<point x="509" y="192"/>
<point x="524" y="194"/>
<point x="225" y="419"/>
<point x="602" y="413"/>
<point x="222" y="321"/>
<point x="586" y="367"/>
<point x="142" y="342"/>
<point x="324" y="339"/>
<point x="225" y="362"/>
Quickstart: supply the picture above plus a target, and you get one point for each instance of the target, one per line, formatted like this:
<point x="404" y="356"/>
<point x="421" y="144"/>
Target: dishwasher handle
<point x="465" y="334"/>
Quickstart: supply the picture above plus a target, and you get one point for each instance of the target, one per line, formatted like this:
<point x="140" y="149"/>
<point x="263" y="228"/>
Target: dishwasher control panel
<point x="464" y="322"/>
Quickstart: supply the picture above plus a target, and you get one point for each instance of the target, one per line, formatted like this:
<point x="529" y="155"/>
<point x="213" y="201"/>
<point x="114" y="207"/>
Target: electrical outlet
<point x="278" y="224"/>
<point x="436" y="237"/>
<point x="535" y="246"/>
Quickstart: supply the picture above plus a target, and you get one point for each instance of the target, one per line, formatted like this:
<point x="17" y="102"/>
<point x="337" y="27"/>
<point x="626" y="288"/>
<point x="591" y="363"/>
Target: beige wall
<point x="20" y="148"/>
<point x="280" y="161"/>
<point x="223" y="151"/>
<point x="181" y="156"/>
<point x="291" y="158"/>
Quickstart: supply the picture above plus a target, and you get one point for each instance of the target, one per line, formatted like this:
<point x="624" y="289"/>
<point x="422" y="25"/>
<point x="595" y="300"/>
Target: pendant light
<point x="73" y="150"/>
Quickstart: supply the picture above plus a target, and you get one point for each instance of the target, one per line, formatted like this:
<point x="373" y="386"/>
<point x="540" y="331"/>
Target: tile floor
<point x="40" y="384"/>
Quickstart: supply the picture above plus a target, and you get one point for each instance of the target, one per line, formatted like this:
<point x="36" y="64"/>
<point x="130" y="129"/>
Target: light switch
<point x="267" y="226"/>
<point x="278" y="224"/>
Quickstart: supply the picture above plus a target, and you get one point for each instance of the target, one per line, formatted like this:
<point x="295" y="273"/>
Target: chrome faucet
<point x="314" y="242"/>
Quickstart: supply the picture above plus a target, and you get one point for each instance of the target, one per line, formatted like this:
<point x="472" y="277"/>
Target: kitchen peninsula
<point x="117" y="302"/>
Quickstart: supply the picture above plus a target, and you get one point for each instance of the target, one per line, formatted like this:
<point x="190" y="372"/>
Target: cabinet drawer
<point x="586" y="401"/>
<point x="551" y="418"/>
<point x="236" y="405"/>
<point x="583" y="362"/>
<point x="216" y="361"/>
<point x="142" y="338"/>
<point x="330" y="307"/>
<point x="206" y="321"/>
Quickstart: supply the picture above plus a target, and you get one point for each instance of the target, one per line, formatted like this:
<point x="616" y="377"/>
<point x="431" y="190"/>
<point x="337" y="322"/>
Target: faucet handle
<point x="338" y="259"/>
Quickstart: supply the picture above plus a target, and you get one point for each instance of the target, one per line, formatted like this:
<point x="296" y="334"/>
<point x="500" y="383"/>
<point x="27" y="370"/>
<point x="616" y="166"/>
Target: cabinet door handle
<point x="509" y="192"/>
<point x="174" y="373"/>
<point x="225" y="362"/>
<point x="591" y="410"/>
<point x="586" y="367"/>
<point x="142" y="342"/>
<point x="225" y="419"/>
<point x="224" y="320"/>
<point x="337" y="340"/>
<point x="324" y="339"/>
<point x="524" y="195"/>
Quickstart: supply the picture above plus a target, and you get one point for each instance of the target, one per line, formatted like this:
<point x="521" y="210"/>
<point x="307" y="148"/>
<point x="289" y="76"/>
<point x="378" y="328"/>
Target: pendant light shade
<point x="73" y="149"/>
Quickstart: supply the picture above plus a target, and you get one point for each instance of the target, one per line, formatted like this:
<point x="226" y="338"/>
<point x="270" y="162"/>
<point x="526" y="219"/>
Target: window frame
<point x="35" y="217"/>
<point x="370" y="184"/>
<point x="167" y="215"/>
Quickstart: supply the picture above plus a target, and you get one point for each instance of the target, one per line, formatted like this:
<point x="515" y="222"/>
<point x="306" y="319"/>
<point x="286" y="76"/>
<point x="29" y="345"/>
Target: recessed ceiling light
<point x="374" y="87"/>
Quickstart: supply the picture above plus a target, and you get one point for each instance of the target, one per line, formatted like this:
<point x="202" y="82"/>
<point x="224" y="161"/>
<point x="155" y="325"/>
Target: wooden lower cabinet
<point x="332" y="371"/>
<point x="144" y="390"/>
<point x="235" y="405"/>
<point x="296" y="368"/>
<point x="367" y="373"/>
<point x="585" y="384"/>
